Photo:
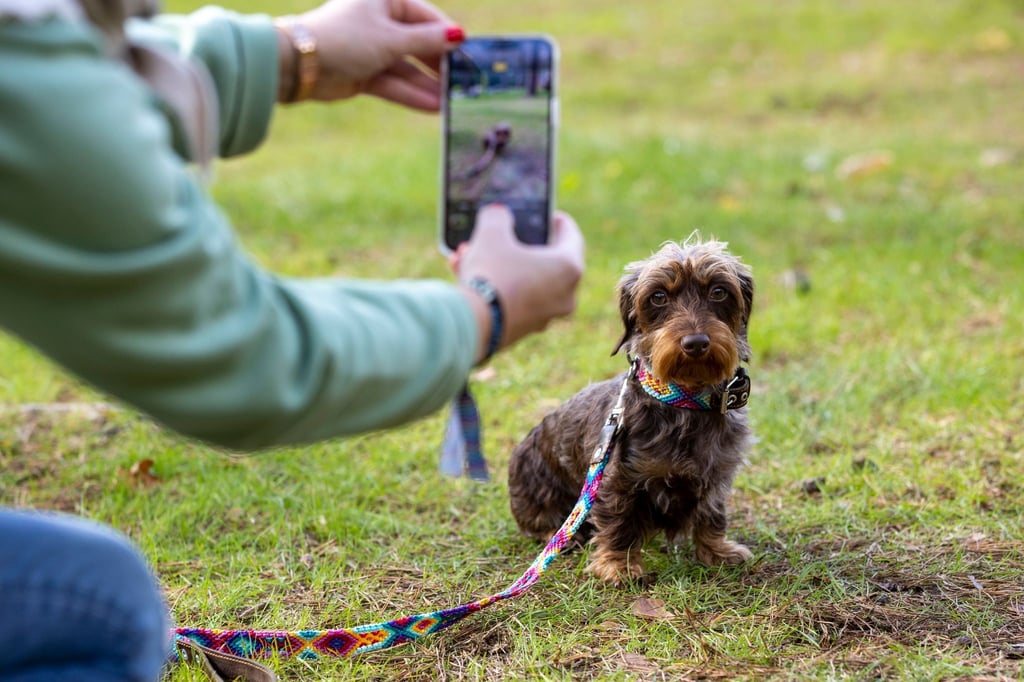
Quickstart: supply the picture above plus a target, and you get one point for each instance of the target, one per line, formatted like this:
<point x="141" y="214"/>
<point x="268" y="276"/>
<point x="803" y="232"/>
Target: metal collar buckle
<point x="736" y="392"/>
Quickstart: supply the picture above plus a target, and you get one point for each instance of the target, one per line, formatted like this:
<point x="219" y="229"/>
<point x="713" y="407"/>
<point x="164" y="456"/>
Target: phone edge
<point x="554" y="121"/>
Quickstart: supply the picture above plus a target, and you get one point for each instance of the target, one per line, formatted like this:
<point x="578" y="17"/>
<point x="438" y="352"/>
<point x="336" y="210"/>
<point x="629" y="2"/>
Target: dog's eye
<point x="718" y="294"/>
<point x="659" y="298"/>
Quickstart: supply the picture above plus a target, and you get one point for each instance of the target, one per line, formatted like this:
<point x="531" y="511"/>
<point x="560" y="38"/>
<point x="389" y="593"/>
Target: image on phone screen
<point x="498" y="142"/>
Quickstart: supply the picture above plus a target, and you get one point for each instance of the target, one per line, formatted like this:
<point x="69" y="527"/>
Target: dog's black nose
<point x="696" y="345"/>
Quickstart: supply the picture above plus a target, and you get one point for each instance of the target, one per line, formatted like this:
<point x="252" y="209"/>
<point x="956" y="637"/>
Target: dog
<point x="685" y="312"/>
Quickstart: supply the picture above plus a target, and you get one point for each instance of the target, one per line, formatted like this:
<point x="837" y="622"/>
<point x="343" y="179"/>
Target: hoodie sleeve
<point x="116" y="263"/>
<point x="240" y="54"/>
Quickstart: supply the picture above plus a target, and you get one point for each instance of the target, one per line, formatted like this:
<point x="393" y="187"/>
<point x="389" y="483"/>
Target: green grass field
<point x="865" y="157"/>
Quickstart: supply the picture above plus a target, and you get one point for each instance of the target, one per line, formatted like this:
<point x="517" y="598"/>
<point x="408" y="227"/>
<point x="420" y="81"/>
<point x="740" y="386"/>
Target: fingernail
<point x="455" y="34"/>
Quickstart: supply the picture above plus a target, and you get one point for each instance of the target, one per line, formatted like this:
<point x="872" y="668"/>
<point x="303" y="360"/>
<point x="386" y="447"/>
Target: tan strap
<point x="221" y="667"/>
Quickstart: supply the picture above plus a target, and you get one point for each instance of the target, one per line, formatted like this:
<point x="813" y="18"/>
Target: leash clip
<point x="611" y="425"/>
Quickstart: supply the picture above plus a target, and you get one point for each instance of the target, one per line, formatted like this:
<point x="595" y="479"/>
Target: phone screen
<point x="498" y="144"/>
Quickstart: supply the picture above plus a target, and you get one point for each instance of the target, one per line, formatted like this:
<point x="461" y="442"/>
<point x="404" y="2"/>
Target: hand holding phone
<point x="499" y="113"/>
<point x="535" y="285"/>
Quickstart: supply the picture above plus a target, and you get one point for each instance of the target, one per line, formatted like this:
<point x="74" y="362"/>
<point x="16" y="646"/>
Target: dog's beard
<point x="663" y="349"/>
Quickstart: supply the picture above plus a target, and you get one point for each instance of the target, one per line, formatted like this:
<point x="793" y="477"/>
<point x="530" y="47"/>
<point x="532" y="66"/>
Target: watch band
<point x="307" y="63"/>
<point x="490" y="296"/>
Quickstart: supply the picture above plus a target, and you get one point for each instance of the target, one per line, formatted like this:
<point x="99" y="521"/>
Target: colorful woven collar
<point x="733" y="396"/>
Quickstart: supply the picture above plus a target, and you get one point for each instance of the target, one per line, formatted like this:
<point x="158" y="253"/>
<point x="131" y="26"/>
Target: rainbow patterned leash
<point x="345" y="642"/>
<point x="460" y="451"/>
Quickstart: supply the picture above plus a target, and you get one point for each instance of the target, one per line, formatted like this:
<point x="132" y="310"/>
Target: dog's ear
<point x="627" y="308"/>
<point x="747" y="291"/>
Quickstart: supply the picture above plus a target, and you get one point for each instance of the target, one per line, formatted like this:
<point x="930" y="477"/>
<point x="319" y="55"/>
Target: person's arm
<point x="115" y="262"/>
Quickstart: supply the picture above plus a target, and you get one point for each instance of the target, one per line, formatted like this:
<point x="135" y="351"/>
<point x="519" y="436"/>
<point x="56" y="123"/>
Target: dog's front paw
<point x="718" y="551"/>
<point x="615" y="568"/>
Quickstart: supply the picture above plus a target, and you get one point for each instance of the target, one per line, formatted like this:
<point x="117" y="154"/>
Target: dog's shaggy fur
<point x="685" y="312"/>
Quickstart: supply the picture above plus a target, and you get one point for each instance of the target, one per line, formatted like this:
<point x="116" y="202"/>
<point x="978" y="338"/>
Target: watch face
<point x="485" y="289"/>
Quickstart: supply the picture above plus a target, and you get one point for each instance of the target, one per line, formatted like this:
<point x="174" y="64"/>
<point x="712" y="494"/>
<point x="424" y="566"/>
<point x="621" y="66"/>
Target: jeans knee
<point x="82" y="589"/>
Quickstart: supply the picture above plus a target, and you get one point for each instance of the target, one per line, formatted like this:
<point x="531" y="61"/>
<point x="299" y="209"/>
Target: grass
<point x="884" y="500"/>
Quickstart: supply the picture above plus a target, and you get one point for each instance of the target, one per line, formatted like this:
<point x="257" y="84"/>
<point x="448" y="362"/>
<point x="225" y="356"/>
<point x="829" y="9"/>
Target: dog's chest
<point x="673" y="496"/>
<point x="669" y="481"/>
<point x="676" y="464"/>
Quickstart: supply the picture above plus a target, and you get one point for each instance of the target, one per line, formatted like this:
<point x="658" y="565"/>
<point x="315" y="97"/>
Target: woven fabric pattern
<point x="469" y="417"/>
<point x="344" y="642"/>
<point x="672" y="394"/>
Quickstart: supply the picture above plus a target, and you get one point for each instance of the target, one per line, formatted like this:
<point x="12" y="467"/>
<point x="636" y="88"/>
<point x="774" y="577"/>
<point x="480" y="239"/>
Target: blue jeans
<point x="77" y="602"/>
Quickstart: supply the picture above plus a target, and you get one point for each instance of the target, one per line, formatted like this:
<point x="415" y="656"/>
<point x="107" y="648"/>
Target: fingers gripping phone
<point x="499" y="116"/>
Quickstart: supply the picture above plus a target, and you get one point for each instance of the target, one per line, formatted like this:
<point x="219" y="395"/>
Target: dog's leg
<point x="540" y="510"/>
<point x="622" y="529"/>
<point x="539" y="500"/>
<point x="615" y="567"/>
<point x="712" y="547"/>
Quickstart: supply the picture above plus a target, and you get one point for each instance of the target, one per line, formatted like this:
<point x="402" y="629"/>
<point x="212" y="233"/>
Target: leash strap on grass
<point x="460" y="452"/>
<point x="345" y="642"/>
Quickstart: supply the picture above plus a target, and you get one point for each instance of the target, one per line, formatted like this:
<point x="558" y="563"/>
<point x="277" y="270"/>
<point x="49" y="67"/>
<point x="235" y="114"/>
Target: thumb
<point x="567" y="237"/>
<point x="494" y="224"/>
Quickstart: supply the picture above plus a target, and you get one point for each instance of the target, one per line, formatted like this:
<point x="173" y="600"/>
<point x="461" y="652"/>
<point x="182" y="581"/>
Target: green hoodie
<point x="116" y="263"/>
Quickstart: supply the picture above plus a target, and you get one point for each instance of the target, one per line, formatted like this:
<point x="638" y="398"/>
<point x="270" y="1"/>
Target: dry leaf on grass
<point x="141" y="473"/>
<point x="651" y="609"/>
<point x="578" y="660"/>
<point x="996" y="156"/>
<point x="638" y="663"/>
<point x="859" y="165"/>
<point x="486" y="374"/>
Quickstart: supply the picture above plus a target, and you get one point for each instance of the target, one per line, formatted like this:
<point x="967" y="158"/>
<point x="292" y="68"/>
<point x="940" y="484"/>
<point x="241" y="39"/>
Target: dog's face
<point x="685" y="312"/>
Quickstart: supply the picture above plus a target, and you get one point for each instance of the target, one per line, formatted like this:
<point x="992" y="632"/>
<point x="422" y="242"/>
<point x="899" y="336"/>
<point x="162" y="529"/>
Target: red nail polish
<point x="455" y="34"/>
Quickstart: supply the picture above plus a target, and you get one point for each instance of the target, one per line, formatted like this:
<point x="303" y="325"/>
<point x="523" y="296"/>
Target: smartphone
<point x="499" y="118"/>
